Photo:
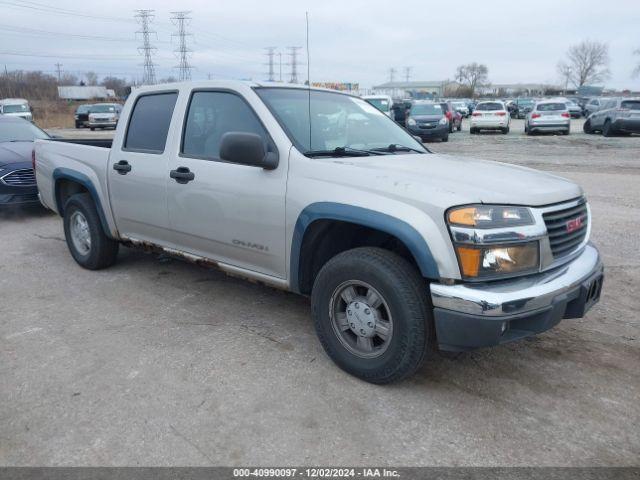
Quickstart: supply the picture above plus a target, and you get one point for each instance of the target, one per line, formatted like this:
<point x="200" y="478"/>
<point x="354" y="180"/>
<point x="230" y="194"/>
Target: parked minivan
<point x="16" y="107"/>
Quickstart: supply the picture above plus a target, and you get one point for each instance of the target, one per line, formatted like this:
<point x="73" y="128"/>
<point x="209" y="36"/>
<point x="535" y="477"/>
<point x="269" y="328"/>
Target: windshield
<point x="489" y="106"/>
<point x="337" y="120"/>
<point x="426" y="109"/>
<point x="551" y="107"/>
<point x="631" y="104"/>
<point x="23" y="107"/>
<point x="103" y="109"/>
<point x="381" y="104"/>
<point x="524" y="101"/>
<point x="22" y="131"/>
<point x="83" y="108"/>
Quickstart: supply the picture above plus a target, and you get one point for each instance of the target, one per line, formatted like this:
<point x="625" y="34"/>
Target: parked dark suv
<point x="428" y="121"/>
<point x="82" y="116"/>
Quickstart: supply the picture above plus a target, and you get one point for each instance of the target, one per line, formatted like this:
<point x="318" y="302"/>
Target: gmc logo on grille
<point x="574" y="224"/>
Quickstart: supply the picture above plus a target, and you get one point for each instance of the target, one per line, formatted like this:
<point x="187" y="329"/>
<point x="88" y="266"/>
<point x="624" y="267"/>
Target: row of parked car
<point x="429" y="119"/>
<point x="98" y="115"/>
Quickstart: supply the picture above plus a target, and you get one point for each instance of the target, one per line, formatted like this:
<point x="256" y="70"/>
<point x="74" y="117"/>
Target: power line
<point x="271" y="51"/>
<point x="407" y="73"/>
<point x="293" y="53"/>
<point x="145" y="17"/>
<point x="180" y="19"/>
<point x="58" y="11"/>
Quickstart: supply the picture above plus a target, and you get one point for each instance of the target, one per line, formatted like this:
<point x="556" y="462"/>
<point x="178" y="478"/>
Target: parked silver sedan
<point x="548" y="116"/>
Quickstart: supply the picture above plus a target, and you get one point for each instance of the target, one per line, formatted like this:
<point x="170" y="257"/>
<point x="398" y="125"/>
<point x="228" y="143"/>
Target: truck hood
<point x="444" y="180"/>
<point x="14" y="152"/>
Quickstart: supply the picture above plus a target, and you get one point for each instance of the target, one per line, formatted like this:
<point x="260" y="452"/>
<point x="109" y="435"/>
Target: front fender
<point x="404" y="232"/>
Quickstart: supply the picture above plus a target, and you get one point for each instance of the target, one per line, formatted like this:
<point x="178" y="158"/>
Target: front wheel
<point x="90" y="247"/>
<point x="372" y="314"/>
<point x="586" y="127"/>
<point x="445" y="138"/>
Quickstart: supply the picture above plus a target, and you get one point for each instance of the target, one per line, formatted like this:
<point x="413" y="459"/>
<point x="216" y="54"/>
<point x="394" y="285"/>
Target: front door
<point x="231" y="213"/>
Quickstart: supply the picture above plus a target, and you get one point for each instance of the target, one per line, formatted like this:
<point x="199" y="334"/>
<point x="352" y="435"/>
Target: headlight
<point x="480" y="256"/>
<point x="490" y="216"/>
<point x="492" y="261"/>
<point x="411" y="122"/>
<point x="443" y="121"/>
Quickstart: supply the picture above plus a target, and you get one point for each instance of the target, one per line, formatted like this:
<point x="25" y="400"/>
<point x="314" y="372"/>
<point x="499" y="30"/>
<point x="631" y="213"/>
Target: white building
<point x="85" y="92"/>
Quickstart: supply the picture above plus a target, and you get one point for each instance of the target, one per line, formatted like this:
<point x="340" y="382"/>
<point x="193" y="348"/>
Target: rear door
<point x="138" y="169"/>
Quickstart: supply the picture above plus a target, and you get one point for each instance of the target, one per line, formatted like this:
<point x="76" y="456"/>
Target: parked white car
<point x="16" y="107"/>
<point x="491" y="115"/>
<point x="104" y="115"/>
<point x="548" y="116"/>
<point x="384" y="103"/>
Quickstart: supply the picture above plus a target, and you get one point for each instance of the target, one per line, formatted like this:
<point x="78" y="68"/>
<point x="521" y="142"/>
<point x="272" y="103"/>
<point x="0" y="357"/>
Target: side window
<point x="149" y="123"/>
<point x="210" y="116"/>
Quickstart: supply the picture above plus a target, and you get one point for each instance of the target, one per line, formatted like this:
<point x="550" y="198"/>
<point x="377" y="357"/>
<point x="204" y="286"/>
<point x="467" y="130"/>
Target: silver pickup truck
<point x="402" y="251"/>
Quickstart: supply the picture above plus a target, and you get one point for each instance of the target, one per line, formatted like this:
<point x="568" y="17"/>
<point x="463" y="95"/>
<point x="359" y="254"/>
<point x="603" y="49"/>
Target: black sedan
<point x="17" y="179"/>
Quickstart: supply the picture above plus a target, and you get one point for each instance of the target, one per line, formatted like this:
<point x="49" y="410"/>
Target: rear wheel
<point x="93" y="128"/>
<point x="505" y="130"/>
<point x="89" y="245"/>
<point x="586" y="128"/>
<point x="459" y="127"/>
<point x="473" y="131"/>
<point x="372" y="314"/>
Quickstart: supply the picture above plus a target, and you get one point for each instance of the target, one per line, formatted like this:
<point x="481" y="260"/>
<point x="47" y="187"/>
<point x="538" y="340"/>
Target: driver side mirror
<point x="247" y="149"/>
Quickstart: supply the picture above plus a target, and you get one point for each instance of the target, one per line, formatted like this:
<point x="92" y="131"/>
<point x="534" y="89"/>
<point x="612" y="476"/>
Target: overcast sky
<point x="351" y="41"/>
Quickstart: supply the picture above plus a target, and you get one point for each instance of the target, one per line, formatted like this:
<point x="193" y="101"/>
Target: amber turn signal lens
<point x="463" y="216"/>
<point x="469" y="261"/>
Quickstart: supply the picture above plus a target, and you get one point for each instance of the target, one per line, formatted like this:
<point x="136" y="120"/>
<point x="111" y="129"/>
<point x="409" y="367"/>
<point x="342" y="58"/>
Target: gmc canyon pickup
<point x="402" y="251"/>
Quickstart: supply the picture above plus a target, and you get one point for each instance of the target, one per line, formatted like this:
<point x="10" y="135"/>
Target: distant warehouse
<point x="417" y="89"/>
<point x="85" y="93"/>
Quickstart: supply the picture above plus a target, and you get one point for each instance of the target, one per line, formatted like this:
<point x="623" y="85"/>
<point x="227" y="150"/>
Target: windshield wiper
<point x="342" y="152"/>
<point x="394" y="147"/>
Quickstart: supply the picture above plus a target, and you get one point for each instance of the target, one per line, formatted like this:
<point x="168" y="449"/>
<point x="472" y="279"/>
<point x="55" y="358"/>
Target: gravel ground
<point x="158" y="362"/>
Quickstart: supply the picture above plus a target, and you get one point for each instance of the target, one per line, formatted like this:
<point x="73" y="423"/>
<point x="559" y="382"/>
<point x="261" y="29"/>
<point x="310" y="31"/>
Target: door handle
<point x="182" y="175"/>
<point x="122" y="167"/>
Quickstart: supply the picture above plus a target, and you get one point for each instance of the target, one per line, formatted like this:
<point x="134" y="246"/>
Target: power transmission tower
<point x="145" y="17"/>
<point x="407" y="73"/>
<point x="59" y="71"/>
<point x="293" y="53"/>
<point x="180" y="19"/>
<point x="392" y="74"/>
<point x="271" y="51"/>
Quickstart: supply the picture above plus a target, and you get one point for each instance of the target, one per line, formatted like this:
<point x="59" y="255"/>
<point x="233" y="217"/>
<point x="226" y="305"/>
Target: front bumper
<point x="94" y="124"/>
<point x="471" y="316"/>
<point x="439" y="131"/>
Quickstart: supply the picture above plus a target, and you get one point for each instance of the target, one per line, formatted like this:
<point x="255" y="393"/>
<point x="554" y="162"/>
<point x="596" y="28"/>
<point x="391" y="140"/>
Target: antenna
<point x="308" y="78"/>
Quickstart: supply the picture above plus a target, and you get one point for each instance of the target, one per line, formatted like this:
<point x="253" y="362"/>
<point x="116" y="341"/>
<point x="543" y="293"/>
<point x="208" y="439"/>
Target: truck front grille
<point x="20" y="178"/>
<point x="567" y="228"/>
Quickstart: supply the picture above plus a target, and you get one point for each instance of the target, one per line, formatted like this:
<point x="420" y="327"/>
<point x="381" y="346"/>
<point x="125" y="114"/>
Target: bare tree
<point x="92" y="78"/>
<point x="565" y="71"/>
<point x="588" y="62"/>
<point x="118" y="85"/>
<point x="472" y="75"/>
<point x="636" y="71"/>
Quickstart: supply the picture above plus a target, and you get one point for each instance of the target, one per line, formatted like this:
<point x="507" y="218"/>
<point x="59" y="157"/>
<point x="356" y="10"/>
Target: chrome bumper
<point x="517" y="296"/>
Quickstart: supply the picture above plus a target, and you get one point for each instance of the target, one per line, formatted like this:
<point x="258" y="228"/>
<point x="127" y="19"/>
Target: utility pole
<point x="407" y="73"/>
<point x="293" y="53"/>
<point x="392" y="74"/>
<point x="58" y="71"/>
<point x="145" y="17"/>
<point x="271" y="51"/>
<point x="180" y="19"/>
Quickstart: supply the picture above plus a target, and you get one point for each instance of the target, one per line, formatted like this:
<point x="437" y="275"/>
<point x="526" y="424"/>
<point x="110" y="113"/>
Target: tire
<point x="505" y="130"/>
<point x="92" y="128"/>
<point x="586" y="127"/>
<point x="459" y="127"/>
<point x="445" y="138"/>
<point x="404" y="302"/>
<point x="80" y="214"/>
<point x="565" y="132"/>
<point x="530" y="132"/>
<point x="473" y="131"/>
<point x="607" y="129"/>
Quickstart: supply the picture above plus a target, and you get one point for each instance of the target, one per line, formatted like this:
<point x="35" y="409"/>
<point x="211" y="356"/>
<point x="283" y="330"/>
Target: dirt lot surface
<point x="158" y="362"/>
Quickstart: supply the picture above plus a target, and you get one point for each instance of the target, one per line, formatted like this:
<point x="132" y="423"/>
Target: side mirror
<point x="247" y="149"/>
